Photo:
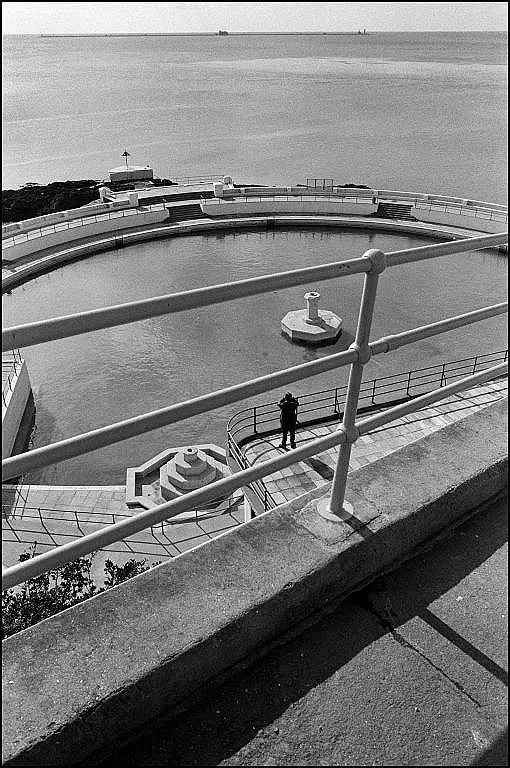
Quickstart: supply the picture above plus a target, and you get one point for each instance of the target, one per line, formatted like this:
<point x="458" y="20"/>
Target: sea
<point x="408" y="111"/>
<point x="390" y="110"/>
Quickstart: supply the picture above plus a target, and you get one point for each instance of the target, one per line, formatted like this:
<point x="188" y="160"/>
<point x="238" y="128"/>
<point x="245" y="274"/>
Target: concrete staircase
<point x="394" y="211"/>
<point x="184" y="212"/>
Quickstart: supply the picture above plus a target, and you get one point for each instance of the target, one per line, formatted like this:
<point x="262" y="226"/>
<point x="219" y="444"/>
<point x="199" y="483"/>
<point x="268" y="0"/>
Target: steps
<point x="173" y="197"/>
<point x="185" y="212"/>
<point x="394" y="211"/>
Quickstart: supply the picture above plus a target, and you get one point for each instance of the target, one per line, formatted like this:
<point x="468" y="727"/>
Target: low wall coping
<point x="84" y="680"/>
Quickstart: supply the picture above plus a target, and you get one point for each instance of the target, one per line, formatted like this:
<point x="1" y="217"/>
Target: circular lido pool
<point x="102" y="377"/>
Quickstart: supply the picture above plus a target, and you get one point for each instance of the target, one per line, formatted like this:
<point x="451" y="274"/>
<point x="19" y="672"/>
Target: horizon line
<point x="231" y="34"/>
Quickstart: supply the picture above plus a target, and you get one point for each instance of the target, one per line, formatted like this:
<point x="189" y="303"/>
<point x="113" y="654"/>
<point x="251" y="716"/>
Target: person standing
<point x="288" y="406"/>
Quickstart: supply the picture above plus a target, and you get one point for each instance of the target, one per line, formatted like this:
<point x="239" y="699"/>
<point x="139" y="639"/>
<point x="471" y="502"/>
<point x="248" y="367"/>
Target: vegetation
<point x="56" y="590"/>
<point x="125" y="186"/>
<point x="37" y="200"/>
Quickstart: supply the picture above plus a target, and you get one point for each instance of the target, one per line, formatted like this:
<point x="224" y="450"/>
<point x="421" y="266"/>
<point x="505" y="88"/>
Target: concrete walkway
<point x="410" y="671"/>
<point x="45" y="259"/>
<point x="298" y="479"/>
<point x="40" y="517"/>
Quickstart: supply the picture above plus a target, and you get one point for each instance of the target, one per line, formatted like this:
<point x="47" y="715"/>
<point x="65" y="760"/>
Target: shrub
<point x="54" y="591"/>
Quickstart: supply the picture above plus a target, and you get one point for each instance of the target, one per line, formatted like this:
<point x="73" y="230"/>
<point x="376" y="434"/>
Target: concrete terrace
<point x="155" y="644"/>
<point x="290" y="483"/>
<point x="186" y="217"/>
<point x="44" y="517"/>
<point x="144" y="652"/>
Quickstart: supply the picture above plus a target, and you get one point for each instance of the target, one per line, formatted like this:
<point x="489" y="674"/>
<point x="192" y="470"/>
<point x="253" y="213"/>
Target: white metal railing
<point x="487" y="211"/>
<point x="12" y="363"/>
<point x="206" y="179"/>
<point x="490" y="214"/>
<point x="371" y="264"/>
<point x="433" y="203"/>
<point x="50" y="229"/>
<point x="288" y="197"/>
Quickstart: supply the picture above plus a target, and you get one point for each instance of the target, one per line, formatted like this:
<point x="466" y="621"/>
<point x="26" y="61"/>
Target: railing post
<point x="442" y="375"/>
<point x="408" y="384"/>
<point x="333" y="508"/>
<point x="255" y="420"/>
<point x="474" y="364"/>
<point x="335" y="407"/>
<point x="373" y="392"/>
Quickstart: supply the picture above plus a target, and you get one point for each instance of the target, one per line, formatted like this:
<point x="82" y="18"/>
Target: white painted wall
<point x="18" y="227"/>
<point x="457" y="220"/>
<point x="36" y="244"/>
<point x="12" y="413"/>
<point x="268" y="207"/>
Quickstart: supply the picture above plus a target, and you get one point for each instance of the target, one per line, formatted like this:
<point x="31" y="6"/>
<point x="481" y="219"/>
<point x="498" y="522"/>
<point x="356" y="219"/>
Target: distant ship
<point x="362" y="33"/>
<point x="223" y="32"/>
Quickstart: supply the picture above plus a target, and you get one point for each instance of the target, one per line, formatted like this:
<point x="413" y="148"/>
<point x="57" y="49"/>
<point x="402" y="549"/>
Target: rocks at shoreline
<point x="39" y="199"/>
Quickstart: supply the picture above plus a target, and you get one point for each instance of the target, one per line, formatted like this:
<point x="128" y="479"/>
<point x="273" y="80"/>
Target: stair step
<point x="183" y="212"/>
<point x="395" y="211"/>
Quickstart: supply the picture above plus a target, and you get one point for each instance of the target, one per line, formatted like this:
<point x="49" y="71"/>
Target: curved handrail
<point x="489" y="213"/>
<point x="327" y="404"/>
<point x="50" y="229"/>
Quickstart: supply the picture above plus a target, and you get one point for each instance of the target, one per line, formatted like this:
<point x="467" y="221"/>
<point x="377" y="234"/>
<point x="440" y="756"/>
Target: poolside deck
<point x="318" y="470"/>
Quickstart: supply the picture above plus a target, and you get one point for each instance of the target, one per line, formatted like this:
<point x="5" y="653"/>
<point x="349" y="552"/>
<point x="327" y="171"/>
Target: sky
<point x="130" y="17"/>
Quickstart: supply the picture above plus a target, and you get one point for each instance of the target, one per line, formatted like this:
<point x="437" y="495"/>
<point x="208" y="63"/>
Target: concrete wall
<point x="458" y="220"/>
<point x="18" y="227"/>
<point x="270" y="191"/>
<point x="12" y="413"/>
<point x="139" y="219"/>
<point x="80" y="682"/>
<point x="268" y="207"/>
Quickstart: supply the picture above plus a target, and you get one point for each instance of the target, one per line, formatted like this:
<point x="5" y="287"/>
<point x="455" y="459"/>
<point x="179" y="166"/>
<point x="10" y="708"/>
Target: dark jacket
<point x="288" y="411"/>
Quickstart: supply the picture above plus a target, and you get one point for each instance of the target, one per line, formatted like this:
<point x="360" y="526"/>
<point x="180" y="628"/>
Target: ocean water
<point x="402" y="111"/>
<point x="413" y="111"/>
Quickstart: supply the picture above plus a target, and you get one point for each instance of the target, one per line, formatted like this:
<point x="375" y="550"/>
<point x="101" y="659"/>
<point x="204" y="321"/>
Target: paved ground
<point x="298" y="479"/>
<point x="411" y="671"/>
<point x="45" y="516"/>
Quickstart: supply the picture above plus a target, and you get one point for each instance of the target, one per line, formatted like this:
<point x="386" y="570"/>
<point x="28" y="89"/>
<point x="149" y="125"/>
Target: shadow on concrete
<point x="497" y="753"/>
<point x="229" y="716"/>
<point x="465" y="646"/>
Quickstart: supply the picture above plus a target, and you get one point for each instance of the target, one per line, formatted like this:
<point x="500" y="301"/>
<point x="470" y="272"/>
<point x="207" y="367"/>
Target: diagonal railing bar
<point x="123" y="430"/>
<point x="396" y="340"/>
<point x="60" y="555"/>
<point x="410" y="255"/>
<point x="121" y="314"/>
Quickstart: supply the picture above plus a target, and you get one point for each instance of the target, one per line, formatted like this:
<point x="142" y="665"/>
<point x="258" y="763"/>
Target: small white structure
<point x="178" y="471"/>
<point x="312" y="325"/>
<point x="190" y="469"/>
<point x="131" y="173"/>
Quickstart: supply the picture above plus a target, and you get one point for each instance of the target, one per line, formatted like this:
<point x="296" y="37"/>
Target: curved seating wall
<point x="270" y="206"/>
<point x="23" y="239"/>
<point x="464" y="218"/>
<point x="18" y="227"/>
<point x="39" y="242"/>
